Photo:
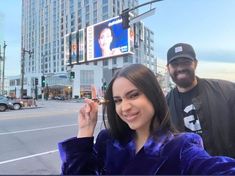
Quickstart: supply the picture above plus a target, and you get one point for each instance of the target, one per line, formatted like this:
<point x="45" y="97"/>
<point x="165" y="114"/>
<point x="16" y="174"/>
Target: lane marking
<point x="38" y="154"/>
<point x="30" y="115"/>
<point x="41" y="129"/>
<point x="26" y="157"/>
<point x="37" y="129"/>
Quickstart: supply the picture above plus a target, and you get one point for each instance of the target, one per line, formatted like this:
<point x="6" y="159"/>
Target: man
<point x="202" y="106"/>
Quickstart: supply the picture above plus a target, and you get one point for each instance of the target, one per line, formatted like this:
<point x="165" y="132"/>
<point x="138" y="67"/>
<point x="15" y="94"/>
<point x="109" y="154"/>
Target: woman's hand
<point x="87" y="119"/>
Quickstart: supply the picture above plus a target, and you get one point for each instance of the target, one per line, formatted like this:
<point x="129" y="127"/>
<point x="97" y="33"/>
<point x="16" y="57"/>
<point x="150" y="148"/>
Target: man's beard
<point x="186" y="82"/>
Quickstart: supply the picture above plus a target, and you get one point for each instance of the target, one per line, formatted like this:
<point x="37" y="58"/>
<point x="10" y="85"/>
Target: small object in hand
<point x="100" y="100"/>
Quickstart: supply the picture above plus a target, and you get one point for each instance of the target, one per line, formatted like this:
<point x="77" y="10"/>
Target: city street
<point x="29" y="137"/>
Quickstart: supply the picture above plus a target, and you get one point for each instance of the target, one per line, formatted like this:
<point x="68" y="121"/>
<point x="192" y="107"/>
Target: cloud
<point x="209" y="69"/>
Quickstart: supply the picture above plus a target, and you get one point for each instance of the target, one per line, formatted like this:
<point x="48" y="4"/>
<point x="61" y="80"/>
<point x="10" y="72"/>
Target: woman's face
<point x="132" y="106"/>
<point x="105" y="39"/>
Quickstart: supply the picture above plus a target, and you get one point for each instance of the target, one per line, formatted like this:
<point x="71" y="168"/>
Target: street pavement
<point x="29" y="137"/>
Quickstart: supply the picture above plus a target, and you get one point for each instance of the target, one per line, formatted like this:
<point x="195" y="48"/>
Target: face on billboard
<point x="107" y="39"/>
<point x="74" y="54"/>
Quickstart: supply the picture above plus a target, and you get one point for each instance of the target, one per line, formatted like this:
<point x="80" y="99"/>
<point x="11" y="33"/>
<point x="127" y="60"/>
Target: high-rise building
<point x="45" y="24"/>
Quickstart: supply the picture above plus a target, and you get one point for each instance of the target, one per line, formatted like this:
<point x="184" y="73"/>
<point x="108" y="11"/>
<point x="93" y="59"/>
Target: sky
<point x="208" y="25"/>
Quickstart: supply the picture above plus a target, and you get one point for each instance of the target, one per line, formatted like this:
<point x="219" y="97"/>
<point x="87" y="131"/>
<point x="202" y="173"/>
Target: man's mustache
<point x="182" y="71"/>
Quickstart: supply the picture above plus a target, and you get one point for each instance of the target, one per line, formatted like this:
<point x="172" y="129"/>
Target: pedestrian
<point x="139" y="137"/>
<point x="202" y="106"/>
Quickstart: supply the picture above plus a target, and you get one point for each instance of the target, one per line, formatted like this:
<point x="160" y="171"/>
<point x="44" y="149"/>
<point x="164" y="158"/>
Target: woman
<point x="139" y="138"/>
<point x="105" y="39"/>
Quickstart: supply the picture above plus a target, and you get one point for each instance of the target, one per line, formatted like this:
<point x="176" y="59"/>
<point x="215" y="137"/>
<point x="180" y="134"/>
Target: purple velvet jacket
<point x="174" y="154"/>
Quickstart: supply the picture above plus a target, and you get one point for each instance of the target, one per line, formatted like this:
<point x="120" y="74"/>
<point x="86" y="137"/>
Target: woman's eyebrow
<point x="115" y="97"/>
<point x="127" y="93"/>
<point x="131" y="91"/>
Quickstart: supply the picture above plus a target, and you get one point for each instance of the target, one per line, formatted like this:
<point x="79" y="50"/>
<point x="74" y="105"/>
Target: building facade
<point x="45" y="23"/>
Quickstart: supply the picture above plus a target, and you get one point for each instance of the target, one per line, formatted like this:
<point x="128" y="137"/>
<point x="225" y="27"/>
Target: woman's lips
<point x="131" y="117"/>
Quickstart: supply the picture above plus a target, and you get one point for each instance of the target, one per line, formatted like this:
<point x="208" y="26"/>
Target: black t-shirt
<point x="190" y="118"/>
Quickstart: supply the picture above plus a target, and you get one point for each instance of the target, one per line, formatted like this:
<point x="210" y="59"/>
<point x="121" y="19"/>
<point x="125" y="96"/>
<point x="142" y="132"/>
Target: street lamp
<point x="3" y="66"/>
<point x="22" y="69"/>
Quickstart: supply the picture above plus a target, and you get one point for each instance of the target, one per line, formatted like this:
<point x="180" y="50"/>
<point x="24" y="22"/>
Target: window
<point x="72" y="23"/>
<point x="105" y="17"/>
<point x="79" y="13"/>
<point x="79" y="4"/>
<point x="105" y="1"/>
<point x="86" y="2"/>
<point x="94" y="20"/>
<point x="72" y="29"/>
<point x="114" y="61"/>
<point x="87" y="77"/>
<point x="87" y="17"/>
<point x="95" y="13"/>
<point x="125" y="59"/>
<point x="72" y="15"/>
<point x="105" y="62"/>
<point x="105" y="9"/>
<point x="95" y="5"/>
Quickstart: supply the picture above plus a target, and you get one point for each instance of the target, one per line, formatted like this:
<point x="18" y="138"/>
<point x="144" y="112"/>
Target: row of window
<point x="56" y="30"/>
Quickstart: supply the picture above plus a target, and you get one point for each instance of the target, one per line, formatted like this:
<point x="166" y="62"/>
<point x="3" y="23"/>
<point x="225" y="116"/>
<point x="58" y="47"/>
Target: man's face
<point x="182" y="71"/>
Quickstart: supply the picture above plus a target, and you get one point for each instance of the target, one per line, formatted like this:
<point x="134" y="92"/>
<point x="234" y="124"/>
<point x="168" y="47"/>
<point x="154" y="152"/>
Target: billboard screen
<point x="74" y="48"/>
<point x="107" y="39"/>
<point x="67" y="49"/>
<point x="81" y="46"/>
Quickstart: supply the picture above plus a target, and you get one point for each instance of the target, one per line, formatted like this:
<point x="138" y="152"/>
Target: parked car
<point x="4" y="105"/>
<point x="7" y="102"/>
<point x="60" y="97"/>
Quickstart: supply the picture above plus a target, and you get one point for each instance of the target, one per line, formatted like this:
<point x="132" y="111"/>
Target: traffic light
<point x="104" y="87"/>
<point x="72" y="75"/>
<point x="43" y="79"/>
<point x="36" y="81"/>
<point x="125" y="19"/>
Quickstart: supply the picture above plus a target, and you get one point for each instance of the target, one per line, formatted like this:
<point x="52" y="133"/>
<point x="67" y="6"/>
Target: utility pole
<point x="0" y="70"/>
<point x="22" y="69"/>
<point x="3" y="66"/>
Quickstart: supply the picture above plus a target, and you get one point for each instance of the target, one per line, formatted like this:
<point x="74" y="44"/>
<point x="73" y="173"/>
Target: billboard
<point x="67" y="49"/>
<point x="107" y="39"/>
<point x="81" y="46"/>
<point x="74" y="48"/>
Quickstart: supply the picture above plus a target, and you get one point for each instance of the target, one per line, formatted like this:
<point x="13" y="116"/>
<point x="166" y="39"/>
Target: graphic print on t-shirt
<point x="191" y="121"/>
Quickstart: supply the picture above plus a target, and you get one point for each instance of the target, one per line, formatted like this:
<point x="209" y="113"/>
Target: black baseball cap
<point x="180" y="50"/>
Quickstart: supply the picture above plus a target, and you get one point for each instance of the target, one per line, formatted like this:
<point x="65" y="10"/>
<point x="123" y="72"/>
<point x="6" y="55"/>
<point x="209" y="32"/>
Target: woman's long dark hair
<point x="145" y="80"/>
